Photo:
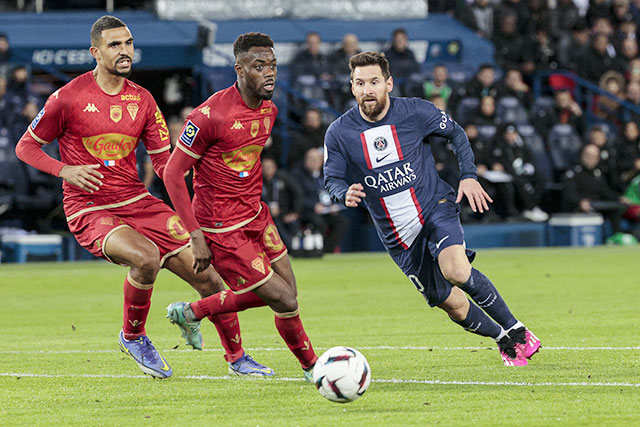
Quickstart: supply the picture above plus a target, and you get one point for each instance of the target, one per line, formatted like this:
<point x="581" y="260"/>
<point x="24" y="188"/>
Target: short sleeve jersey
<point x="394" y="164"/>
<point x="227" y="137"/>
<point x="93" y="127"/>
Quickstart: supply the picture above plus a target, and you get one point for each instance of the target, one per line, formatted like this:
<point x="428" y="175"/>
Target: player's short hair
<point x="369" y="58"/>
<point x="105" y="22"/>
<point x="246" y="41"/>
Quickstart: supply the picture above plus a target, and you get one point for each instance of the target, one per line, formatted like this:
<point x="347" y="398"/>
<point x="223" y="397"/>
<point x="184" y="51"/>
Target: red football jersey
<point x="226" y="137"/>
<point x="93" y="127"/>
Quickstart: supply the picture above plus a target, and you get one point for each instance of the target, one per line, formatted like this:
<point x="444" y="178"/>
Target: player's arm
<point x="155" y="137"/>
<point x="45" y="127"/>
<point x="335" y="168"/>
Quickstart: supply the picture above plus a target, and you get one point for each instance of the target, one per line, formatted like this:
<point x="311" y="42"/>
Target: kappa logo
<point x="237" y="125"/>
<point x="223" y="296"/>
<point x="135" y="323"/>
<point x="307" y="346"/>
<point x="91" y="108"/>
<point x="189" y="133"/>
<point x="206" y="110"/>
<point x="236" y="339"/>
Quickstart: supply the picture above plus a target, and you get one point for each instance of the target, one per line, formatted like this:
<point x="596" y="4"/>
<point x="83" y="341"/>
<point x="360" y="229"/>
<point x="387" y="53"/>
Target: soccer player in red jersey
<point x="99" y="119"/>
<point x="229" y="225"/>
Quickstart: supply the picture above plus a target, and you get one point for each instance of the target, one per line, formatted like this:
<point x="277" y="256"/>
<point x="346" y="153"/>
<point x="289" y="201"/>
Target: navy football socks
<point x="479" y="323"/>
<point x="482" y="291"/>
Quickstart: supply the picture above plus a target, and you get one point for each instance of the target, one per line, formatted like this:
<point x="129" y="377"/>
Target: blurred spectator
<point x="516" y="8"/>
<point x="438" y="85"/>
<point x="539" y="16"/>
<point x="310" y="69"/>
<point x="627" y="158"/>
<point x="598" y="137"/>
<point x="339" y="66"/>
<point x="486" y="114"/>
<point x="482" y="84"/>
<point x="284" y="197"/>
<point x="564" y="111"/>
<point x="483" y="15"/>
<point x="318" y="211"/>
<point x="5" y="55"/>
<point x="18" y="85"/>
<point x="597" y="9"/>
<point x="513" y="85"/>
<point x="311" y="136"/>
<point x="544" y="48"/>
<point x="7" y="109"/>
<point x="564" y="17"/>
<point x="571" y="45"/>
<point x="605" y="107"/>
<point x="184" y="112"/>
<point x="619" y="12"/>
<point x="627" y="29"/>
<point x="513" y="49"/>
<point x="633" y="72"/>
<point x="586" y="189"/>
<point x="512" y="156"/>
<point x="632" y="96"/>
<point x="19" y="123"/>
<point x="402" y="61"/>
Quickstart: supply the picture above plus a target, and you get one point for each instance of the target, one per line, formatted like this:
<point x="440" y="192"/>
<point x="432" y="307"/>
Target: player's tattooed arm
<point x="354" y="195"/>
<point x="86" y="177"/>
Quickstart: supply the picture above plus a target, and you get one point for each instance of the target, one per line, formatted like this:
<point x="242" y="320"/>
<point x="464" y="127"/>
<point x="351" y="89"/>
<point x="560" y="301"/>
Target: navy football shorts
<point x="420" y="262"/>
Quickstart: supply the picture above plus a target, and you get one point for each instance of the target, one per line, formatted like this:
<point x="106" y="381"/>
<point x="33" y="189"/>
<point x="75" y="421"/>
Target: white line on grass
<point x="392" y="381"/>
<point x="381" y="347"/>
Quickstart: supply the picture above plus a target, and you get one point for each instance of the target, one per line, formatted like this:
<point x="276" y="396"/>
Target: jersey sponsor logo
<point x="236" y="125"/>
<point x="132" y="109"/>
<point x="243" y="159"/>
<point x="189" y="133"/>
<point x="444" y="118"/>
<point x="91" y="108"/>
<point x="255" y="127"/>
<point x="176" y="229"/>
<point x="37" y="118"/>
<point x="206" y="110"/>
<point x="381" y="146"/>
<point x="115" y="113"/>
<point x="130" y="97"/>
<point x="392" y="178"/>
<point x="110" y="146"/>
<point x="163" y="130"/>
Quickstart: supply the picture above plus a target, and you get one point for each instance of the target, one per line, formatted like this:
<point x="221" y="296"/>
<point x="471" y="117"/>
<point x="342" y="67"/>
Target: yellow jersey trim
<point x="110" y="206"/>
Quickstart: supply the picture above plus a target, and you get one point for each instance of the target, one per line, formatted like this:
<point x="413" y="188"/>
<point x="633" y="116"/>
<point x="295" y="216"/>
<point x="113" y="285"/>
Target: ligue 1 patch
<point x="37" y="118"/>
<point x="189" y="133"/>
<point x="243" y="174"/>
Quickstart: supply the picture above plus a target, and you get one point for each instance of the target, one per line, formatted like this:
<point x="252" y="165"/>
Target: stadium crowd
<point x="565" y="147"/>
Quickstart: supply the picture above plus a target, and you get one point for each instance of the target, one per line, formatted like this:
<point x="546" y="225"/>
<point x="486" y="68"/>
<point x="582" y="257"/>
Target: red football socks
<point x="137" y="300"/>
<point x="229" y="330"/>
<point x="225" y="302"/>
<point x="292" y="332"/>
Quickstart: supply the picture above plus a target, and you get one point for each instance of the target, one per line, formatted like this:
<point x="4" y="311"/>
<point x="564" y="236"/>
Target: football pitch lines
<point x="375" y="380"/>
<point x="381" y="347"/>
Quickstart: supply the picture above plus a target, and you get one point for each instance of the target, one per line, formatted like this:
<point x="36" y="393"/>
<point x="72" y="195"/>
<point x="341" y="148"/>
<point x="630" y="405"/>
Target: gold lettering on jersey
<point x="267" y="110"/>
<point x="267" y="123"/>
<point x="176" y="229"/>
<point x="205" y="110"/>
<point x="272" y="238"/>
<point x="110" y="146"/>
<point x="162" y="129"/>
<point x="133" y="110"/>
<point x="243" y="159"/>
<point x="237" y="125"/>
<point x="255" y="126"/>
<point x="115" y="112"/>
<point x="130" y="97"/>
<point x="91" y="108"/>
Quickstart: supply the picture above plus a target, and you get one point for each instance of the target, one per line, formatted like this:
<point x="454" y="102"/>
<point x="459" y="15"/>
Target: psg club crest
<point x="380" y="143"/>
<point x="115" y="112"/>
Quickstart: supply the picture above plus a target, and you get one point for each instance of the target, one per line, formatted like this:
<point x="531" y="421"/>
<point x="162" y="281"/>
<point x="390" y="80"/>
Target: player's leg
<point x="126" y="246"/>
<point x="282" y="267"/>
<point x="208" y="283"/>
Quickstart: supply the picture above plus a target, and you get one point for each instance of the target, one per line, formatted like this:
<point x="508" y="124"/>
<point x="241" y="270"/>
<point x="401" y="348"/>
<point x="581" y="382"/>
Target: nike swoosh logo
<point x="379" y="159"/>
<point x="441" y="240"/>
<point x="165" y="367"/>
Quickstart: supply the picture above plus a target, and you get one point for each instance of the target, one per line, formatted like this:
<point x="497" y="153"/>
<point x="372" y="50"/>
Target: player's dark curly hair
<point x="105" y="22"/>
<point x="246" y="41"/>
<point x="370" y="58"/>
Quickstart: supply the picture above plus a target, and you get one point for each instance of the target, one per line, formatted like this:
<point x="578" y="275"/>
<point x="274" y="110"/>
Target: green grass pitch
<point x="60" y="363"/>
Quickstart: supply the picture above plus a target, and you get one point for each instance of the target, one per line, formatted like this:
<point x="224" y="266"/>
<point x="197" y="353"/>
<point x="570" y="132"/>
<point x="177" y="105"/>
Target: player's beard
<point x="373" y="111"/>
<point x="124" y="74"/>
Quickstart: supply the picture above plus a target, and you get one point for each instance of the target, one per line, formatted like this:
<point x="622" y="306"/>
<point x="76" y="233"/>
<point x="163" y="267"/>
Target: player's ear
<point x="239" y="69"/>
<point x="94" y="52"/>
<point x="389" y="84"/>
<point x="352" y="90"/>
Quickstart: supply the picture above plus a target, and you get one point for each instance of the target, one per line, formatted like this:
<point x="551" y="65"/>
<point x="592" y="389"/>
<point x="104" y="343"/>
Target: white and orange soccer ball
<point x="342" y="374"/>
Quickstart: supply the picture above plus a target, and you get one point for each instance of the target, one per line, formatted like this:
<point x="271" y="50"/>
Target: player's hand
<point x="200" y="250"/>
<point x="476" y="195"/>
<point x="354" y="195"/>
<point x="83" y="176"/>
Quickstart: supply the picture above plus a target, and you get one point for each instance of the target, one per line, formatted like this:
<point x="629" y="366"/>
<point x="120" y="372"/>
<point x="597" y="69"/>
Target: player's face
<point x="371" y="90"/>
<point x="258" y="69"/>
<point x="115" y="51"/>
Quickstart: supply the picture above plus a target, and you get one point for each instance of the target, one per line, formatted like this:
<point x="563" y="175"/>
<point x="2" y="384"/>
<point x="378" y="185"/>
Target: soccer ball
<point x="342" y="374"/>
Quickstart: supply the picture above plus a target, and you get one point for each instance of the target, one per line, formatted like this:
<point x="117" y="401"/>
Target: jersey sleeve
<point x="197" y="134"/>
<point x="335" y="167"/>
<point x="432" y="120"/>
<point x="155" y="137"/>
<point x="50" y="121"/>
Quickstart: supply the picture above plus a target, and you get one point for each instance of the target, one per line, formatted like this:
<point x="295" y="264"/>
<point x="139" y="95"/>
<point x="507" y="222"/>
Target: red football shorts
<point x="148" y="216"/>
<point x="243" y="256"/>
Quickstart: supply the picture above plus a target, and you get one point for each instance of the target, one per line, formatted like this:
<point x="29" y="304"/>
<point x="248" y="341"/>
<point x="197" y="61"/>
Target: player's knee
<point x="457" y="273"/>
<point x="208" y="283"/>
<point x="146" y="264"/>
<point x="289" y="303"/>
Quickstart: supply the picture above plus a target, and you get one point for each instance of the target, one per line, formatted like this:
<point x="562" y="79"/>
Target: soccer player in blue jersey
<point x="380" y="144"/>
